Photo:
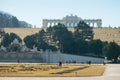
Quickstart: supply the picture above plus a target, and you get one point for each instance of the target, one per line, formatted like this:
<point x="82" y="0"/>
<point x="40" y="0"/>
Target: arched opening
<point x="48" y="25"/>
<point x="88" y="23"/>
<point x="68" y="24"/>
<point x="75" y="24"/>
<point x="91" y="24"/>
<point x="95" y="24"/>
<point x="56" y="23"/>
<point x="71" y="25"/>
<point x="52" y="24"/>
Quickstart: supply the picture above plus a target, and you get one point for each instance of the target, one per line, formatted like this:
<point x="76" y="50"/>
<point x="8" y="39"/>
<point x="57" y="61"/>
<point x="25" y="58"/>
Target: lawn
<point x="51" y="70"/>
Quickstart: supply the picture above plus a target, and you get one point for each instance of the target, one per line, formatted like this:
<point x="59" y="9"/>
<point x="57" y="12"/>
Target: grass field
<point x="51" y="70"/>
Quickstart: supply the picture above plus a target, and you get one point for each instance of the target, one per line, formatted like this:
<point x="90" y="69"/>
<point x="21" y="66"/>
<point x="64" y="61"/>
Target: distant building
<point x="71" y="21"/>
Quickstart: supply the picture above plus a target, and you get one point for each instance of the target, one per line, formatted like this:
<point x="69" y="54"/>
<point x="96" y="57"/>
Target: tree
<point x="62" y="37"/>
<point x="2" y="33"/>
<point x="5" y="41"/>
<point x="13" y="36"/>
<point x="7" y="20"/>
<point x="8" y="38"/>
<point x="24" y="24"/>
<point x="38" y="40"/>
<point x="14" y="47"/>
<point x="83" y="31"/>
<point x="15" y="22"/>
<point x="82" y="34"/>
<point x="96" y="46"/>
<point x="29" y="41"/>
<point x="81" y="47"/>
<point x="112" y="51"/>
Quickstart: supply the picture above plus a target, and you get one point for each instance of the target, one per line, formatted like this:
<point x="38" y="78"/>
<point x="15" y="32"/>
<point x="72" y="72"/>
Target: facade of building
<point x="71" y="21"/>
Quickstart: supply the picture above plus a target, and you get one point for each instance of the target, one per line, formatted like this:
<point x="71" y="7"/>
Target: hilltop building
<point x="71" y="21"/>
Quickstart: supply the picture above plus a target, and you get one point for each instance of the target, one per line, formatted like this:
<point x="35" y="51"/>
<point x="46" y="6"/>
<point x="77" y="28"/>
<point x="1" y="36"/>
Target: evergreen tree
<point x="38" y="40"/>
<point x="83" y="31"/>
<point x="112" y="51"/>
<point x="62" y="37"/>
<point x="8" y="38"/>
<point x="96" y="46"/>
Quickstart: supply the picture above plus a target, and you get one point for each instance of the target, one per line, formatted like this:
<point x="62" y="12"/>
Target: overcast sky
<point x="33" y="11"/>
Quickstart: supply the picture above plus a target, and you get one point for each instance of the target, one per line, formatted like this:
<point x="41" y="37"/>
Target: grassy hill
<point x="105" y="34"/>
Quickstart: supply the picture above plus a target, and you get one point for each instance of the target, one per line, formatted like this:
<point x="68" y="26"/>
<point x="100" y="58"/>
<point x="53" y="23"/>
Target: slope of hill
<point x="104" y="34"/>
<point x="107" y="34"/>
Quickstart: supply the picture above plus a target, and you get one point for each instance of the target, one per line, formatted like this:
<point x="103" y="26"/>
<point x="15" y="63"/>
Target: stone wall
<point x="46" y="57"/>
<point x="21" y="57"/>
<point x="68" y="58"/>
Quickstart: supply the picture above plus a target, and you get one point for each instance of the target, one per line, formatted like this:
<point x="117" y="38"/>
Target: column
<point x="93" y="24"/>
<point x="89" y="23"/>
<point x="45" y="23"/>
<point x="99" y="24"/>
<point x="50" y="23"/>
<point x="73" y="24"/>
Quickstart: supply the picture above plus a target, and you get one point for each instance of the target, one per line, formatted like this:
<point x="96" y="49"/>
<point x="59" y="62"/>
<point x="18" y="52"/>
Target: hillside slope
<point x="104" y="34"/>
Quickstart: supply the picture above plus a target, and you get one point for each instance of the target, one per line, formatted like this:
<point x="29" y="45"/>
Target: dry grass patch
<point x="49" y="70"/>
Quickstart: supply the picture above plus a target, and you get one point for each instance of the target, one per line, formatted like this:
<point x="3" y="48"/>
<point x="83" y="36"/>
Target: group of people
<point x="88" y="62"/>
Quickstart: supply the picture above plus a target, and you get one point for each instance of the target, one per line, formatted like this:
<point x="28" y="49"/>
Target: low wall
<point x="68" y="58"/>
<point x="46" y="57"/>
<point x="21" y="57"/>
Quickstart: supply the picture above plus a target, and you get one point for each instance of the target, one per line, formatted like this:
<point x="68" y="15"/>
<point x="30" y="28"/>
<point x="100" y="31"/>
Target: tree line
<point x="7" y="20"/>
<point x="58" y="37"/>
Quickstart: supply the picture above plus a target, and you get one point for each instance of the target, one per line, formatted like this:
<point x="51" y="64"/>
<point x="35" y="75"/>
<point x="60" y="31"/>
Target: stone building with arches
<point x="71" y="21"/>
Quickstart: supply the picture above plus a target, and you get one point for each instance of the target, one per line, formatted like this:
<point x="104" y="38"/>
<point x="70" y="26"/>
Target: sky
<point x="33" y="11"/>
